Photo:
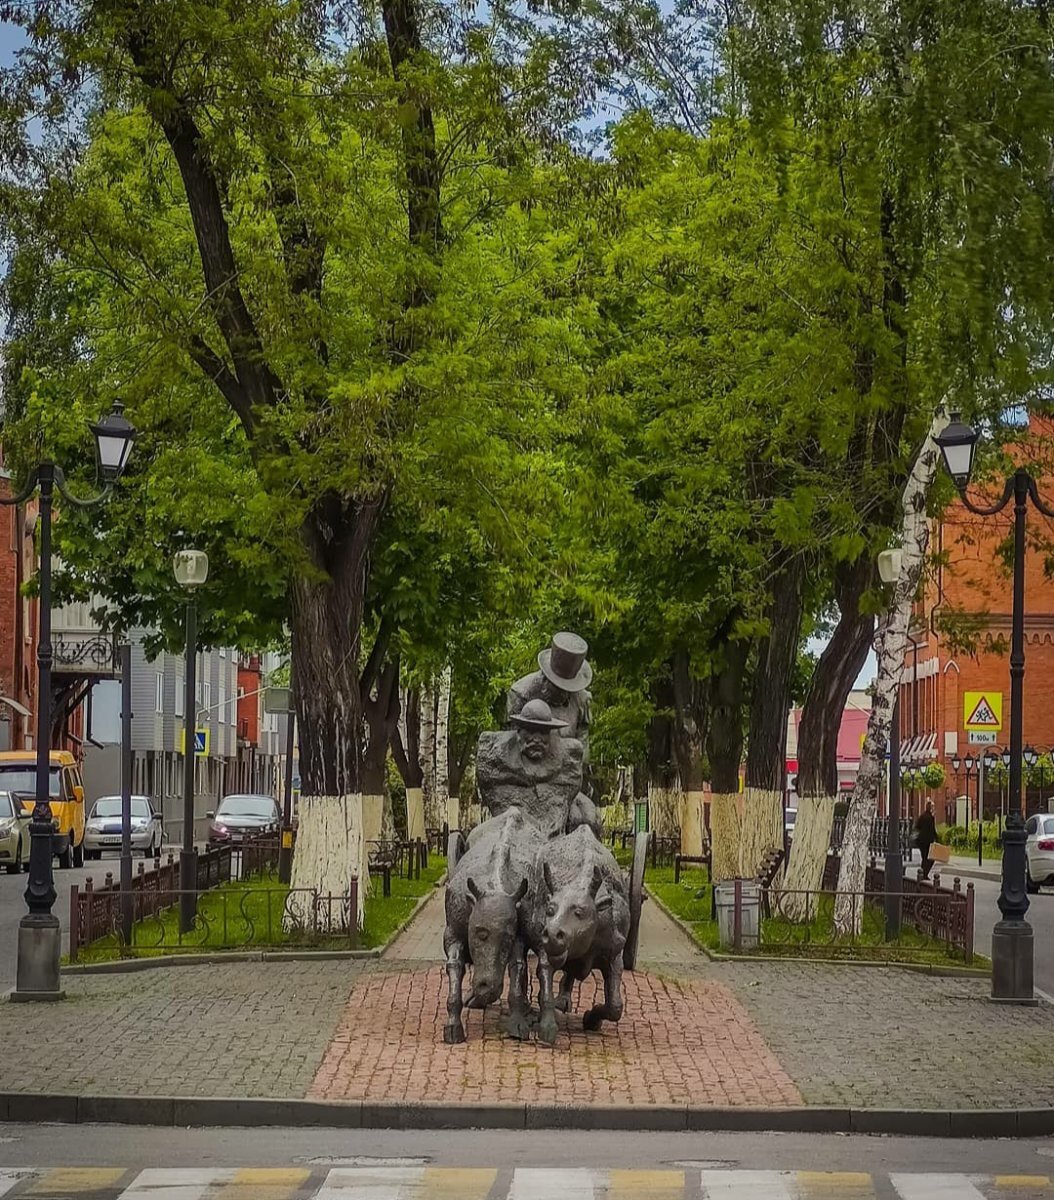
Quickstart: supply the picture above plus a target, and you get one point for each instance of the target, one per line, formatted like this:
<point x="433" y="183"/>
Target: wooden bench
<point x="703" y="860"/>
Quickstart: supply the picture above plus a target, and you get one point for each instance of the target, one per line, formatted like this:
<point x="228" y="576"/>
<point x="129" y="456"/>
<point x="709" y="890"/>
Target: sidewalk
<point x="695" y="1032"/>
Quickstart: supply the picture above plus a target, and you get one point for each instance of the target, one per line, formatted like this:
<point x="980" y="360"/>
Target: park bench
<point x="705" y="859"/>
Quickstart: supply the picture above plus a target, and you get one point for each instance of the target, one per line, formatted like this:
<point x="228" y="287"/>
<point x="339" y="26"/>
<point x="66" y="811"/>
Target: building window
<point x="221" y="707"/>
<point x="181" y="687"/>
<point x="206" y="703"/>
<point x="160" y="696"/>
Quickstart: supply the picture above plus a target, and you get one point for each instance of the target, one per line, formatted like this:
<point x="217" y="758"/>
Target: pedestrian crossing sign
<point x="983" y="711"/>
<point x="201" y="742"/>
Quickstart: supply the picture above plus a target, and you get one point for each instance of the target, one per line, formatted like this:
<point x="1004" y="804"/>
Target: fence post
<point x="737" y="917"/>
<point x="89" y="901"/>
<point x="353" y="912"/>
<point x="74" y="921"/>
<point x="969" y="923"/>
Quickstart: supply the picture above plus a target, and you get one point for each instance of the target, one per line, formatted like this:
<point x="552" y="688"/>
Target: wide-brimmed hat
<point x="564" y="663"/>
<point x="536" y="714"/>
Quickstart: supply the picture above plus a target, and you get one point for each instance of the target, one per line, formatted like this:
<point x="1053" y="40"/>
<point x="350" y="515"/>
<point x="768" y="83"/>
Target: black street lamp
<point x="1012" y="949"/>
<point x="39" y="935"/>
<point x="191" y="569"/>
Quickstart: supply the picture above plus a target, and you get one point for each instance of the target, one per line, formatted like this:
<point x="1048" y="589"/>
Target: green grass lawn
<point x="248" y="914"/>
<point x="690" y="901"/>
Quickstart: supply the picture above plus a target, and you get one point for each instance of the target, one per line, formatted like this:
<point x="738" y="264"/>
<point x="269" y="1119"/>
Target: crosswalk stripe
<point x="541" y="1183"/>
<point x="458" y="1183"/>
<point x="76" y="1181"/>
<point x="835" y="1185"/>
<point x="935" y="1187"/>
<point x="1032" y="1182"/>
<point x="655" y="1185"/>
<point x="747" y="1185"/>
<point x="373" y="1183"/>
<point x="184" y="1183"/>
<point x="10" y="1176"/>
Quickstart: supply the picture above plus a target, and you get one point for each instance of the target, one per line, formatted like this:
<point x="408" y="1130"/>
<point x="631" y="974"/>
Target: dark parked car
<point x="242" y="816"/>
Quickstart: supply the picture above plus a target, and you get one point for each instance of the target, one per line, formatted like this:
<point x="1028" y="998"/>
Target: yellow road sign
<point x="983" y="712"/>
<point x="201" y="741"/>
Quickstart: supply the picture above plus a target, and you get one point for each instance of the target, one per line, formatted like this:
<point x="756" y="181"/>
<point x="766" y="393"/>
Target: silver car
<point x="14" y="834"/>
<point x="103" y="830"/>
<point x="1039" y="851"/>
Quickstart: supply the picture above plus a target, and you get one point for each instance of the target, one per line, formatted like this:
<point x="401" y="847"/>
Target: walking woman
<point x="925" y="836"/>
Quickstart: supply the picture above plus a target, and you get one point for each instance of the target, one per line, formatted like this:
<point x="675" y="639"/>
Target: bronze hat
<point x="564" y="663"/>
<point x="536" y="714"/>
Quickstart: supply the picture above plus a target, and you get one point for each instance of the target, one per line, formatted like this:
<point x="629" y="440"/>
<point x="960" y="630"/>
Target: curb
<point x="190" y="1111"/>
<point x="128" y="966"/>
<point x="935" y="969"/>
<point x="977" y="873"/>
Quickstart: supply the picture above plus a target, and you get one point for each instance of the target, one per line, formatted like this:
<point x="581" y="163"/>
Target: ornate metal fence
<point x="95" y="911"/>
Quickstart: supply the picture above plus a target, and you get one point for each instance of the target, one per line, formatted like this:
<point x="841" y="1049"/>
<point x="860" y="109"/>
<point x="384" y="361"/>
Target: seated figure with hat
<point x="531" y="767"/>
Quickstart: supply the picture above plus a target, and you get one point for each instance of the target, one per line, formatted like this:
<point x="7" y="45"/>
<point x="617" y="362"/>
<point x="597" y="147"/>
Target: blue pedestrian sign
<point x="201" y="741"/>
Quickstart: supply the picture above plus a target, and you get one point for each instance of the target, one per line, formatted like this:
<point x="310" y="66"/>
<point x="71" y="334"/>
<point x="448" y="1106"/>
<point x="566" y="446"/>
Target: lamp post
<point x="1012" y="948"/>
<point x="39" y="935"/>
<point x="191" y="568"/>
<point x="889" y="562"/>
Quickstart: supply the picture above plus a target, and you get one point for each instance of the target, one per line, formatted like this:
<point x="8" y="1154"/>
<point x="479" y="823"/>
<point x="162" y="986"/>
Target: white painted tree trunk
<point x="725" y="826"/>
<point x="446" y="803"/>
<point x="329" y="849"/>
<point x="808" y="854"/>
<point x="372" y="819"/>
<point x="692" y="822"/>
<point x="761" y="829"/>
<point x="889" y="646"/>
<point x="664" y="805"/>
<point x="434" y="815"/>
<point x="415" y="814"/>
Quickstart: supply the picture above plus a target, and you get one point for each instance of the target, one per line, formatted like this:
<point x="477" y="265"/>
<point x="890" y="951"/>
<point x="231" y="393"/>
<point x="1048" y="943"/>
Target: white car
<point x="1039" y="851"/>
<point x="103" y="830"/>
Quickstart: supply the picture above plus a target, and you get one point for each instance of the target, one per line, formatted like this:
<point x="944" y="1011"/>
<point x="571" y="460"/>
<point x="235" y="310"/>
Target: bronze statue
<point x="562" y="680"/>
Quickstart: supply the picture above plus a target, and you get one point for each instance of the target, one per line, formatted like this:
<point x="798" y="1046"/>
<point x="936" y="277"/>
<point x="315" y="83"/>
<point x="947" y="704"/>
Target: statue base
<point x="39" y="949"/>
<point x="1012" y="963"/>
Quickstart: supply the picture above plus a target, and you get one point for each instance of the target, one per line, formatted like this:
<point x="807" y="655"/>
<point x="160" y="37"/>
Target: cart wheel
<point x="636" y="899"/>
<point x="455" y="847"/>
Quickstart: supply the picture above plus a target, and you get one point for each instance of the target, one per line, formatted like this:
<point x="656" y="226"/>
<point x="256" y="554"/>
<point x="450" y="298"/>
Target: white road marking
<point x="9" y="1176"/>
<point x="536" y="1183"/>
<point x="935" y="1187"/>
<point x="183" y="1183"/>
<point x="748" y="1185"/>
<point x="373" y="1183"/>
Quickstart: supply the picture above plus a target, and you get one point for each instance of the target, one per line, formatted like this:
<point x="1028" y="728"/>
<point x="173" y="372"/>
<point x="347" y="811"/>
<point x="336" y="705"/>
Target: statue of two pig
<point x="535" y="877"/>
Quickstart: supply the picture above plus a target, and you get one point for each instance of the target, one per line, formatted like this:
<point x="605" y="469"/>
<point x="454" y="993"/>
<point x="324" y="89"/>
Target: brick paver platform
<point x="678" y="1042"/>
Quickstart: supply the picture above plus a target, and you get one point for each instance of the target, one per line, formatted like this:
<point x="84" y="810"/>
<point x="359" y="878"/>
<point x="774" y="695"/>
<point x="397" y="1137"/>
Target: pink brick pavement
<point x="679" y="1041"/>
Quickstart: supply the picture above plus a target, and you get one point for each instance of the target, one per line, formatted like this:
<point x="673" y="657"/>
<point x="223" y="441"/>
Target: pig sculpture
<point x="484" y="897"/>
<point x="578" y="923"/>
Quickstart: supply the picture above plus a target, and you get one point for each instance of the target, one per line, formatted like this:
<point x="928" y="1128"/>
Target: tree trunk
<point x="688" y="738"/>
<point x="381" y="710"/>
<point x="766" y="772"/>
<point x="915" y="532"/>
<point x="448" y="804"/>
<point x="326" y="620"/>
<point x="434" y="815"/>
<point x="406" y="751"/>
<point x="725" y="742"/>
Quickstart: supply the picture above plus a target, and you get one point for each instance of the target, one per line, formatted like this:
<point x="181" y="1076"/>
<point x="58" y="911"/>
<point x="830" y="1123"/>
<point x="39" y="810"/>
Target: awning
<point x="19" y="708"/>
<point x="922" y="746"/>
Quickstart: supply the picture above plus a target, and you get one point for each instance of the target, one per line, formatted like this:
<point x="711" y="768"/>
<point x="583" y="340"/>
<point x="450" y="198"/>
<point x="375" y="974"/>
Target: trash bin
<point x="750" y="908"/>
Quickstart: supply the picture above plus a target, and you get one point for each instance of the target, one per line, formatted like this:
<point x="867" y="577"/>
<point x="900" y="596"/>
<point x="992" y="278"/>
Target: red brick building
<point x="961" y="643"/>
<point x="18" y="622"/>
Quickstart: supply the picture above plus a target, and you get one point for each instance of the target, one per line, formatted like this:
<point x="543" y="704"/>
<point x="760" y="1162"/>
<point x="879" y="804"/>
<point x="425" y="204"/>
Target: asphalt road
<point x="13" y="906"/>
<point x="1040" y="916"/>
<point x="104" y="1145"/>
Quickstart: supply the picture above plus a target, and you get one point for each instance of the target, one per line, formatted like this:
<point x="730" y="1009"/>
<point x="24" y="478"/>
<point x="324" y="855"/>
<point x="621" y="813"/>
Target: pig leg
<point x="454" y="1030"/>
<point x="611" y="1009"/>
<point x="563" y="998"/>
<point x="547" y="1028"/>
<point x="516" y="1023"/>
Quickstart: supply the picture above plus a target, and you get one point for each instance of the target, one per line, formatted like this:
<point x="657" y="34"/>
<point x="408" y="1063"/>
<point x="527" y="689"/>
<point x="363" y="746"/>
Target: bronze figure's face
<point x="534" y="743"/>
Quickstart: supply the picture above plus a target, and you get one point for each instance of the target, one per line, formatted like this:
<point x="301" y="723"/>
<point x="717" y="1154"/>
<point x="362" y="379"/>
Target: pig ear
<point x="473" y="889"/>
<point x="548" y="878"/>
<point x="596" y="881"/>
<point x="521" y="891"/>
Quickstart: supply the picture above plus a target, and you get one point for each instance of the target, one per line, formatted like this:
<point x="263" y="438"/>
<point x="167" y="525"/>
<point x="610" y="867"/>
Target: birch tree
<point x="890" y="645"/>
